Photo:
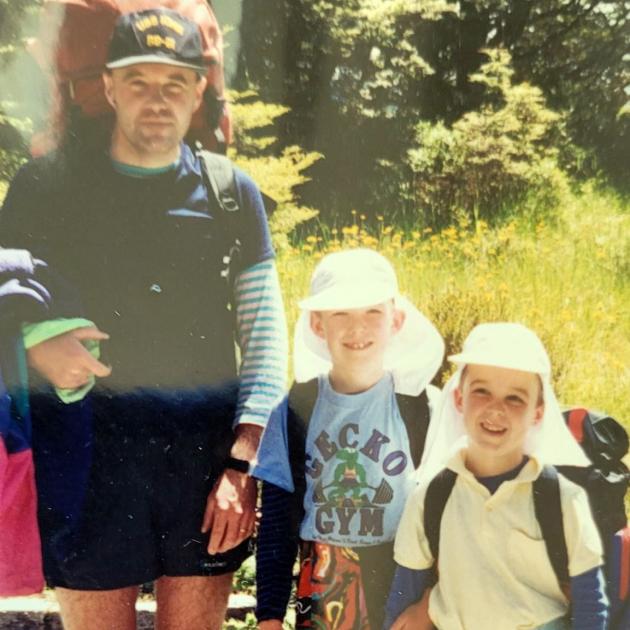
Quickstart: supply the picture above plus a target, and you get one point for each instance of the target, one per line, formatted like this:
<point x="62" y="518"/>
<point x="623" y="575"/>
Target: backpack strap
<point x="301" y="402"/>
<point x="219" y="172"/>
<point x="438" y="492"/>
<point x="548" y="510"/>
<point x="416" y="414"/>
<point x="302" y="397"/>
<point x="547" y="507"/>
<point x="218" y="175"/>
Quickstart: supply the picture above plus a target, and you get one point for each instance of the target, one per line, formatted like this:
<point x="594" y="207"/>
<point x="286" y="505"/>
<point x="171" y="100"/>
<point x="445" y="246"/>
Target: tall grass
<point x="567" y="279"/>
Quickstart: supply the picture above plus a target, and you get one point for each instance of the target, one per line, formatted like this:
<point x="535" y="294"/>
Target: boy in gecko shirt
<point x="364" y="356"/>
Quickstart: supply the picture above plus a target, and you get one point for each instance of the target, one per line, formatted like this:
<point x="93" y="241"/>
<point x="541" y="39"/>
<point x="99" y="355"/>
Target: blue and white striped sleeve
<point x="263" y="340"/>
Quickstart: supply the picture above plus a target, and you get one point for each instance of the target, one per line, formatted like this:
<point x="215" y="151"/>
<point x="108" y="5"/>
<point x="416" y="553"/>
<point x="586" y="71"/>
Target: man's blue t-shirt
<point x="145" y="256"/>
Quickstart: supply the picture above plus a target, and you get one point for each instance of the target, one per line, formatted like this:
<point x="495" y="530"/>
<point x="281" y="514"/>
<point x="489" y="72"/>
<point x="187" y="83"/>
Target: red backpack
<point x="71" y="50"/>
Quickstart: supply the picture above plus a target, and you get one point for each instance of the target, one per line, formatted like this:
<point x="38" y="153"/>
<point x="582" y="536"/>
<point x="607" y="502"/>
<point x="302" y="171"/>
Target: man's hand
<point x="416" y="616"/>
<point x="230" y="509"/>
<point x="270" y="624"/>
<point x="65" y="362"/>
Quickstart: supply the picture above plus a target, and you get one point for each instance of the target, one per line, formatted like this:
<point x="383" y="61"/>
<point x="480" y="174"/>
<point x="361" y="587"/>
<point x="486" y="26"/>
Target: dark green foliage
<point x="490" y="158"/>
<point x="13" y="151"/>
<point x="278" y="169"/>
<point x="15" y="125"/>
<point x="12" y="13"/>
<point x="359" y="75"/>
<point x="574" y="51"/>
<point x="350" y="78"/>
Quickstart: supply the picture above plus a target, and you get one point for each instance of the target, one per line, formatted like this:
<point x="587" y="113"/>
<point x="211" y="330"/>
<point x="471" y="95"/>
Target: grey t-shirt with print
<point x="359" y="469"/>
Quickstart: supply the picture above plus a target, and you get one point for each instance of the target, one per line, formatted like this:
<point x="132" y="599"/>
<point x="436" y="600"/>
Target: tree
<point x="491" y="157"/>
<point x="278" y="169"/>
<point x="15" y="123"/>
<point x="349" y="71"/>
<point x="12" y="14"/>
<point x="358" y="75"/>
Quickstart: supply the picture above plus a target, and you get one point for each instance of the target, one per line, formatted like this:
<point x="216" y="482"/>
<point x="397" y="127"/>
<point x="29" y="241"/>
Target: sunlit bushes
<point x="278" y="172"/>
<point x="491" y="159"/>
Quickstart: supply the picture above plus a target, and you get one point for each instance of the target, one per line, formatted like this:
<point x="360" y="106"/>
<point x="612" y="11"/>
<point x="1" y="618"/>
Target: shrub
<point x="277" y="171"/>
<point x="490" y="159"/>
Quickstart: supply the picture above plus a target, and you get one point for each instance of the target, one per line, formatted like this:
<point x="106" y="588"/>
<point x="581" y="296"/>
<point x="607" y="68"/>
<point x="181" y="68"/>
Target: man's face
<point x="499" y="407"/>
<point x="358" y="336"/>
<point x="154" y="104"/>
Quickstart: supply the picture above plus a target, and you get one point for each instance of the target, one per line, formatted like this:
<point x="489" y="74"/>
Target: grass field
<point x="568" y="279"/>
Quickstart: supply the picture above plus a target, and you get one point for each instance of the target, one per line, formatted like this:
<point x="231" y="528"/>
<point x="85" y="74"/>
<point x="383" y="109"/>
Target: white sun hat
<point x="357" y="278"/>
<point x="505" y="345"/>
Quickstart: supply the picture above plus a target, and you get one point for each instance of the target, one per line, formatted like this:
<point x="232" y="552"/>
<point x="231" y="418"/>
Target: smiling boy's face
<point x="499" y="407"/>
<point x="357" y="338"/>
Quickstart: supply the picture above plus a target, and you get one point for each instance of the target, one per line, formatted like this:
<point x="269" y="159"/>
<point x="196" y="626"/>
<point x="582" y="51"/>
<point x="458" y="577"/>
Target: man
<point x="134" y="481"/>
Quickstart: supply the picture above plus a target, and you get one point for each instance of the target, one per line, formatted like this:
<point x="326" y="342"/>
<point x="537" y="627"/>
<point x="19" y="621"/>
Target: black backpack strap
<point x="301" y="402"/>
<point x="414" y="410"/>
<point x="548" y="510"/>
<point x="438" y="492"/>
<point x="218" y="174"/>
<point x="302" y="397"/>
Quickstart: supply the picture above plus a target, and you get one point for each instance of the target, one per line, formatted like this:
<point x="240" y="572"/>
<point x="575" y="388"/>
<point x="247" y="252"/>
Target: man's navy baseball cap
<point x="156" y="36"/>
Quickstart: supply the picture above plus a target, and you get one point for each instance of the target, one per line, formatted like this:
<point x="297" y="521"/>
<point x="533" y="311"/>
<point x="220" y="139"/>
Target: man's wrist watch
<point x="241" y="465"/>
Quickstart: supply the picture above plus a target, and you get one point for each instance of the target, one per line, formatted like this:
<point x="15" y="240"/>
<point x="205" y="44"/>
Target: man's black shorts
<point x="123" y="483"/>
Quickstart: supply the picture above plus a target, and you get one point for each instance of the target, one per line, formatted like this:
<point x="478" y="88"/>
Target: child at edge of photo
<point x="367" y="356"/>
<point x="498" y="428"/>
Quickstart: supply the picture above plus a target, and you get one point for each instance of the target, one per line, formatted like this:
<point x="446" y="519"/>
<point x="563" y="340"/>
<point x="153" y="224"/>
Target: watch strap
<point x="241" y="465"/>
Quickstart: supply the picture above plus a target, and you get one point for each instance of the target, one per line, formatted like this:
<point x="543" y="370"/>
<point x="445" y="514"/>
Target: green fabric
<point x="41" y="331"/>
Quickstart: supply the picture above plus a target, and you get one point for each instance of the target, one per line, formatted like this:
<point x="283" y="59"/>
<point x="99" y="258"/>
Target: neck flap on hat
<point x="549" y="441"/>
<point x="413" y="356"/>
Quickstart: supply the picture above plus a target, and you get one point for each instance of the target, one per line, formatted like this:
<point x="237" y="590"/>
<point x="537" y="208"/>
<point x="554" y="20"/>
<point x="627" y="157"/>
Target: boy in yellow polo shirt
<point x="498" y="424"/>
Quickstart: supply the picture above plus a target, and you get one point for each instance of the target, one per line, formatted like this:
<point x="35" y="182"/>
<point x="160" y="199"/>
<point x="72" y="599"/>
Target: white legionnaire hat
<point x="512" y="346"/>
<point x="358" y="278"/>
